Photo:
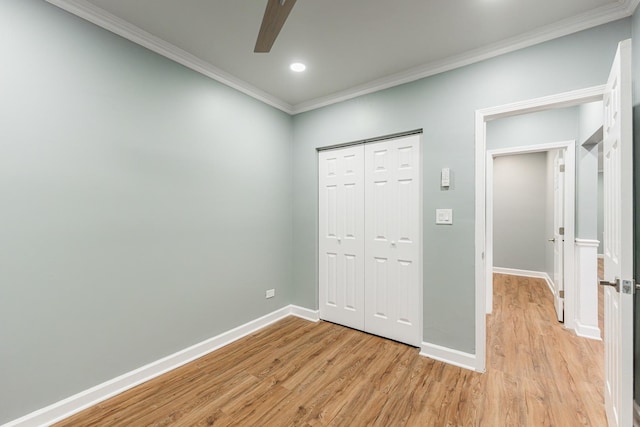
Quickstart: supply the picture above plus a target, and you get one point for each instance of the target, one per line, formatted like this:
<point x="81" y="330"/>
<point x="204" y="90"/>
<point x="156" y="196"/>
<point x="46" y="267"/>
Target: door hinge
<point x="561" y="294"/>
<point x="561" y="168"/>
<point x="561" y="231"/>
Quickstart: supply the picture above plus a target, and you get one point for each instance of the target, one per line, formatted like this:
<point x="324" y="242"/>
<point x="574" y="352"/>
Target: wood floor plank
<point x="298" y="373"/>
<point x="323" y="380"/>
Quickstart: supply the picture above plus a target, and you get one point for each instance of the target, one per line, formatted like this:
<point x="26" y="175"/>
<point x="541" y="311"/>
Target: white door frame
<point x="569" y="215"/>
<point x="566" y="99"/>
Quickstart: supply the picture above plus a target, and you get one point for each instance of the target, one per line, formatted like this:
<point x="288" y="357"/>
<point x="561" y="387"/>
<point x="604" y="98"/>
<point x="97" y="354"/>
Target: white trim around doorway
<point x="566" y="99"/>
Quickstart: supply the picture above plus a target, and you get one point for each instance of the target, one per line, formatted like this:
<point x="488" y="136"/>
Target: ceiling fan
<point x="275" y="14"/>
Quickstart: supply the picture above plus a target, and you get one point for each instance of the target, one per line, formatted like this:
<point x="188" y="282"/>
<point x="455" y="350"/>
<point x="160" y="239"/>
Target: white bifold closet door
<point x="341" y="236"/>
<point x="370" y="238"/>
<point x="392" y="236"/>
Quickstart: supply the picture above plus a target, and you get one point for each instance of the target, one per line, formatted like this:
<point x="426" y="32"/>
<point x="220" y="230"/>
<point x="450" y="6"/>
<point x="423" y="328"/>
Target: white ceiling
<point x="350" y="46"/>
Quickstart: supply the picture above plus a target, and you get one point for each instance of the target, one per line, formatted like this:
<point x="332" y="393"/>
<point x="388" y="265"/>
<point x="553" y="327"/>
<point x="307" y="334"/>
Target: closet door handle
<point x="393" y="243"/>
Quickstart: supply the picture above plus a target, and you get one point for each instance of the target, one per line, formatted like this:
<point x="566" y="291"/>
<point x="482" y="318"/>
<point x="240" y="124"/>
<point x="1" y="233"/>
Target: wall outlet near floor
<point x="270" y="293"/>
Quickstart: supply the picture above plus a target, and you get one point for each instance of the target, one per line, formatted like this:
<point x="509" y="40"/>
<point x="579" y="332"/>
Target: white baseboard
<point x="85" y="399"/>
<point x="305" y="313"/>
<point x="601" y="256"/>
<point x="448" y="355"/>
<point x="527" y="273"/>
<point x="585" y="331"/>
<point x="550" y="284"/>
<point x="518" y="272"/>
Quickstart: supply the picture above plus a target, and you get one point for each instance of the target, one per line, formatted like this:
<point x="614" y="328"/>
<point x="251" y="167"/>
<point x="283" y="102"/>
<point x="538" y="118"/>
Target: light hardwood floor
<point x="297" y="373"/>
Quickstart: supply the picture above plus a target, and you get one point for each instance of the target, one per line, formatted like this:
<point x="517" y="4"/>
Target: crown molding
<point x="593" y="18"/>
<point x="630" y="5"/>
<point x="110" y="22"/>
<point x="119" y="26"/>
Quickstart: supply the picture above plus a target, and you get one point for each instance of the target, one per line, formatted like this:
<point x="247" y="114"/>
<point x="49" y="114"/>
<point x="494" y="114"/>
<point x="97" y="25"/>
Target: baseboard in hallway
<point x="527" y="273"/>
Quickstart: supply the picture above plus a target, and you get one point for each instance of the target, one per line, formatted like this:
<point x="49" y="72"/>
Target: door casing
<point x="482" y="266"/>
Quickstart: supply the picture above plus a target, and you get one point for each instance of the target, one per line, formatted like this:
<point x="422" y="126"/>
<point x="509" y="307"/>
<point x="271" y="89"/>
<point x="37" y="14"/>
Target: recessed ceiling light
<point x="298" y="67"/>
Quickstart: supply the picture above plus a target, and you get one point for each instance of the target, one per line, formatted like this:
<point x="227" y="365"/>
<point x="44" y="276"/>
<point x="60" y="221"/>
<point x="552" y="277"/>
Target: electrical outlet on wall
<point x="270" y="293"/>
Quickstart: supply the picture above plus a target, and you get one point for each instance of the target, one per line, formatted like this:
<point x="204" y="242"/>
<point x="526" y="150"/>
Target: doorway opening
<point x="524" y="336"/>
<point x="484" y="266"/>
<point x="618" y="224"/>
<point x="530" y="217"/>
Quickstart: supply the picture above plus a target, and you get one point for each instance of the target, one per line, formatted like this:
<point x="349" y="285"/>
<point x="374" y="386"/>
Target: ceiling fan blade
<point x="275" y="15"/>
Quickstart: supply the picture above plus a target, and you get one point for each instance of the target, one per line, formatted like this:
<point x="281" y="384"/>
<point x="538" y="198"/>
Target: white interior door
<point x="341" y="236"/>
<point x="393" y="289"/>
<point x="558" y="233"/>
<point x="618" y="241"/>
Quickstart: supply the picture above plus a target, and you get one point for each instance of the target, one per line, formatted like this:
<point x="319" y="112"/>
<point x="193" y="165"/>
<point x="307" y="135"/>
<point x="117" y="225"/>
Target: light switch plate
<point x="445" y="177"/>
<point x="444" y="216"/>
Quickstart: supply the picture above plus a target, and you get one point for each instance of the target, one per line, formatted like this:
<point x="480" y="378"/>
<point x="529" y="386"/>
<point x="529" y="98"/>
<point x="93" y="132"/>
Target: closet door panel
<point x="331" y="279"/>
<point x="392" y="234"/>
<point x="378" y="290"/>
<point x="408" y="321"/>
<point x="341" y="232"/>
<point x="379" y="228"/>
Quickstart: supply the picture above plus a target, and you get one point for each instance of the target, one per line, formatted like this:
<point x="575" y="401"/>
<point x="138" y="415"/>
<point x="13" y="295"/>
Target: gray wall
<point x="444" y="106"/>
<point x="589" y="121"/>
<point x="137" y="192"/>
<point x="534" y="129"/>
<point x="586" y="191"/>
<point x="145" y="207"/>
<point x="576" y="123"/>
<point x="519" y="211"/>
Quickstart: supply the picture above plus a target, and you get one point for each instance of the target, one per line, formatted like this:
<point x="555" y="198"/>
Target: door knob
<point x="615" y="284"/>
<point x="339" y="239"/>
<point x="393" y="243"/>
<point x="552" y="240"/>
